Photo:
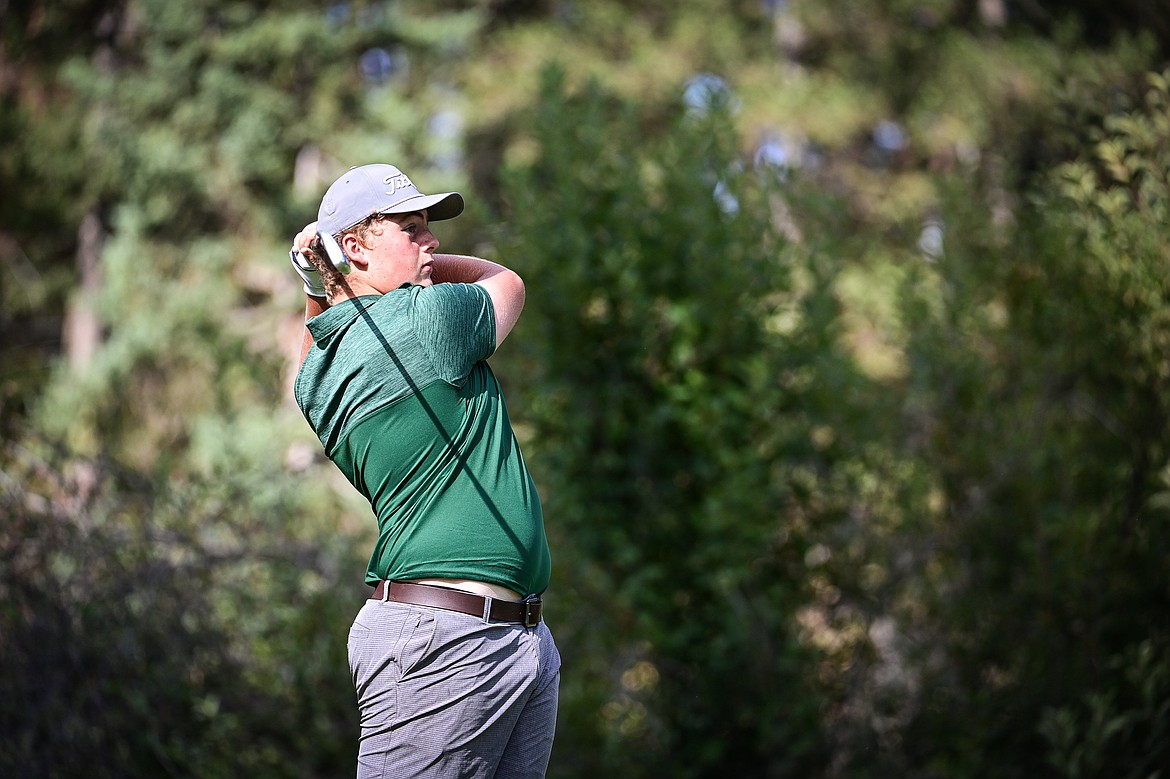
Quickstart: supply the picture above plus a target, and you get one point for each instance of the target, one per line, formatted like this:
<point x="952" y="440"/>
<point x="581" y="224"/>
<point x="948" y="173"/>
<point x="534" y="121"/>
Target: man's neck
<point x="353" y="287"/>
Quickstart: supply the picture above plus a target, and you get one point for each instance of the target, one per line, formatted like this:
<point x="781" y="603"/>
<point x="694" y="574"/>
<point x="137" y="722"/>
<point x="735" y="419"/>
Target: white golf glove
<point x="314" y="287"/>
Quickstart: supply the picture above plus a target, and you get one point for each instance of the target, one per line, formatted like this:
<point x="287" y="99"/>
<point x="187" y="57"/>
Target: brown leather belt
<point x="527" y="612"/>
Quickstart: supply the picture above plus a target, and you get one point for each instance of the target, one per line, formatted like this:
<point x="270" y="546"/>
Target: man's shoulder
<point x="449" y="293"/>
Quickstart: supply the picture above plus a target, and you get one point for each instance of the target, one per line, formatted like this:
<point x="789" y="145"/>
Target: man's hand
<point x="314" y="287"/>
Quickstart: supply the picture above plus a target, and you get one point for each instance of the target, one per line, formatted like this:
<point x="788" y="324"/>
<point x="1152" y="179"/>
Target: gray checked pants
<point x="443" y="694"/>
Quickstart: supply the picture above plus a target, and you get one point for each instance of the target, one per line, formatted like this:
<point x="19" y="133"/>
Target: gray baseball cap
<point x="379" y="189"/>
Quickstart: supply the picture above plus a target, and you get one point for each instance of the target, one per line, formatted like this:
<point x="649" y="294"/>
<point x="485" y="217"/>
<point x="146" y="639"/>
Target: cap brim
<point x="447" y="205"/>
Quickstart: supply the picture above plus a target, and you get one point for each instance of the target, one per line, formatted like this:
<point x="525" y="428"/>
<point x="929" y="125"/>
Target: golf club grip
<point x="318" y="248"/>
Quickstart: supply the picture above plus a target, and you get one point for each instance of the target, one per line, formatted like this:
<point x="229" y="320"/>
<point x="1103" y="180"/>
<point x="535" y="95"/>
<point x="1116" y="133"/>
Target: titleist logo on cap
<point x="398" y="182"/>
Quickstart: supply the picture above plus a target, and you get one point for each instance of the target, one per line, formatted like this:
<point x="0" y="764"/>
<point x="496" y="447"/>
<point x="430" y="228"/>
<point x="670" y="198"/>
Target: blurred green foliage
<point x="666" y="415"/>
<point x="844" y="375"/>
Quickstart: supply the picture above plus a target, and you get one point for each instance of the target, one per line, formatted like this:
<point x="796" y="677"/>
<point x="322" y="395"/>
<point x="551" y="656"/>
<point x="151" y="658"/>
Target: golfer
<point x="455" y="671"/>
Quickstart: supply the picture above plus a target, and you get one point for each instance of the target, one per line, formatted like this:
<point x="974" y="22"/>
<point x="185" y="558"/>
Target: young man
<point x="455" y="671"/>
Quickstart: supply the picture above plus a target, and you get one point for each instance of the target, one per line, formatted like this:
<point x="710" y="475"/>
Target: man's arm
<point x="504" y="286"/>
<point x="313" y="306"/>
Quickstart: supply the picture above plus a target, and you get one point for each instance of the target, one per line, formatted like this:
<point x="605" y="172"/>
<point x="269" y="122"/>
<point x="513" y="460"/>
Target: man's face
<point x="400" y="250"/>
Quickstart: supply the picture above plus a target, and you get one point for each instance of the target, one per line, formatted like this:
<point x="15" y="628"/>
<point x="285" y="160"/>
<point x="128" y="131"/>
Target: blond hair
<point x="333" y="279"/>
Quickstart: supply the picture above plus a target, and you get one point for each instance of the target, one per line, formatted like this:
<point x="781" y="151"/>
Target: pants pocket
<point x="386" y="642"/>
<point x="358" y="637"/>
<point x="416" y="642"/>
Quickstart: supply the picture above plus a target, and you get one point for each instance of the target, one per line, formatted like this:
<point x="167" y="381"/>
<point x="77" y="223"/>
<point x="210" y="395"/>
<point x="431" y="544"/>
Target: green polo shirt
<point x="397" y="388"/>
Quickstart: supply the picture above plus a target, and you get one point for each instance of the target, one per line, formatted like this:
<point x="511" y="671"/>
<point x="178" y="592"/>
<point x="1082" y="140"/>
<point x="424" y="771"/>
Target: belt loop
<point x="487" y="608"/>
<point x="386" y="592"/>
<point x="533" y="610"/>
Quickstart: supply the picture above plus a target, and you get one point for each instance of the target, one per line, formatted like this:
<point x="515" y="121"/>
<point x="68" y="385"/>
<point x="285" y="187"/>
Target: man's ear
<point x="355" y="250"/>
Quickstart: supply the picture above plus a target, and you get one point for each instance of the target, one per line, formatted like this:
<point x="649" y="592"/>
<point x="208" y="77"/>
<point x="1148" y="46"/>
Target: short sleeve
<point x="456" y="324"/>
